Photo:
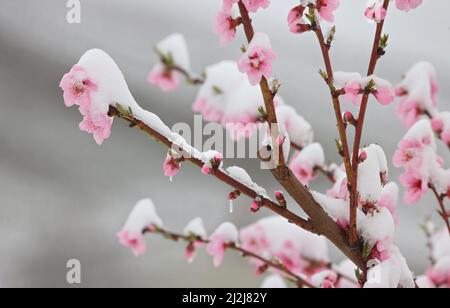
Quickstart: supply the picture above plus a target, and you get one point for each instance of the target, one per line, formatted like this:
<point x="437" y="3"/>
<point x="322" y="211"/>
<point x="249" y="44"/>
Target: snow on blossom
<point x="224" y="235"/>
<point x="228" y="4"/>
<point x="194" y="228"/>
<point x="111" y="89"/>
<point x="242" y="176"/>
<point x="257" y="60"/>
<point x="392" y="273"/>
<point x="175" y="53"/>
<point x="305" y="163"/>
<point x="340" y="186"/>
<point x="389" y="199"/>
<point x="255" y="5"/>
<point x="212" y="160"/>
<point x="326" y="279"/>
<point x="439" y="274"/>
<point x="348" y="269"/>
<point x="441" y="126"/>
<point x="143" y="216"/>
<point x="354" y="86"/>
<point x="375" y="11"/>
<point x="440" y="243"/>
<point x="418" y="91"/>
<point x="299" y="130"/>
<point x="274" y="282"/>
<point x="378" y="229"/>
<point x="171" y="166"/>
<point x="275" y="237"/>
<point x="372" y="172"/>
<point x="423" y="166"/>
<point x="407" y="5"/>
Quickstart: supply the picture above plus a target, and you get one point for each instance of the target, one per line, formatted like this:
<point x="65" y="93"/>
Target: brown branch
<point x="443" y="211"/>
<point x="267" y="93"/>
<point x="319" y="219"/>
<point x="353" y="234"/>
<point x="300" y="282"/>
<point x="218" y="173"/>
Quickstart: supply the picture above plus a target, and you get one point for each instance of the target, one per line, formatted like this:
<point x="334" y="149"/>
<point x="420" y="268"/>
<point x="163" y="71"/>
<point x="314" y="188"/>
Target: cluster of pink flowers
<point x="326" y="9"/>
<point x="257" y="60"/>
<point x="417" y="155"/>
<point x="78" y="90"/>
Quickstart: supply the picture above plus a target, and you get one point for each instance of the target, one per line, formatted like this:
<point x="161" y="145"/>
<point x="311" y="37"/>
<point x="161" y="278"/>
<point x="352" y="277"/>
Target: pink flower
<point x="217" y="248"/>
<point x="295" y="20"/>
<point x="254" y="5"/>
<point x="326" y="9"/>
<point x="416" y="186"/>
<point x="407" y="5"/>
<point x="257" y="60"/>
<point x="257" y="63"/>
<point x="77" y="87"/>
<point x="225" y="27"/>
<point x="353" y="92"/>
<point x="171" y="166"/>
<point x="385" y="95"/>
<point x="304" y="173"/>
<point x="409" y="112"/>
<point x="166" y="79"/>
<point x="206" y="170"/>
<point x="437" y="124"/>
<point x="381" y="250"/>
<point x="376" y="12"/>
<point x="408" y="150"/>
<point x="99" y="125"/>
<point x="135" y="241"/>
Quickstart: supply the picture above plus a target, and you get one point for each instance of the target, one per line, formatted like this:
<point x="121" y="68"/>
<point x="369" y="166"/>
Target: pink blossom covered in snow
<point x="142" y="217"/>
<point x="225" y="27"/>
<point x="171" y="166"/>
<point x="295" y="20"/>
<point x="257" y="60"/>
<point x="219" y="241"/>
<point x="174" y="56"/>
<point x="418" y="92"/>
<point x="304" y="164"/>
<point x="441" y="126"/>
<point x="327" y="8"/>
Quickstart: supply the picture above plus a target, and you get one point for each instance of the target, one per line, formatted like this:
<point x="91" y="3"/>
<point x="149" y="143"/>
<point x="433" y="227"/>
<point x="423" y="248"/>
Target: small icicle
<point x="171" y="179"/>
<point x="231" y="206"/>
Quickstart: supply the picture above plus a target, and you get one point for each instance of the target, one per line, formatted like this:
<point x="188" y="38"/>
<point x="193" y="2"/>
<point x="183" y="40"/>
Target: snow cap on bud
<point x="362" y="157"/>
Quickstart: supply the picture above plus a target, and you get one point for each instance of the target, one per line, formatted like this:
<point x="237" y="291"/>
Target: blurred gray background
<point x="63" y="197"/>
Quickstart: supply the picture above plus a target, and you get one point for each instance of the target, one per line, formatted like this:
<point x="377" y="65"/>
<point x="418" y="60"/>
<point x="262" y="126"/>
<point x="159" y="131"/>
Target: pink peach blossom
<point x="407" y="5"/>
<point x="295" y="20"/>
<point x="255" y="5"/>
<point x="381" y="250"/>
<point x="409" y="112"/>
<point x="326" y="9"/>
<point x="376" y="13"/>
<point x="305" y="174"/>
<point x="409" y="149"/>
<point x="206" y="170"/>
<point x="257" y="63"/>
<point x="171" y="166"/>
<point x="385" y="96"/>
<point x="135" y="241"/>
<point x="228" y="4"/>
<point x="99" y="125"/>
<point x="77" y="87"/>
<point x="353" y="92"/>
<point x="225" y="27"/>
<point x="416" y="186"/>
<point x="166" y="79"/>
<point x="437" y="124"/>
<point x="217" y="248"/>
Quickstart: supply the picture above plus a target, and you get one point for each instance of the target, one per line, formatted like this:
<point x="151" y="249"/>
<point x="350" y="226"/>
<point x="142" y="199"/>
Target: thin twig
<point x="300" y="282"/>
<point x="443" y="212"/>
